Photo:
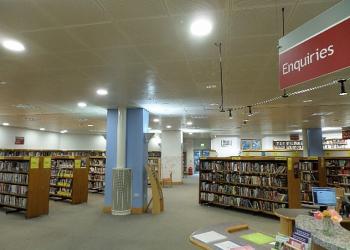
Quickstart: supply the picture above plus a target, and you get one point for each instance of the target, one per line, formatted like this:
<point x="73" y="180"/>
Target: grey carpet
<point x="85" y="227"/>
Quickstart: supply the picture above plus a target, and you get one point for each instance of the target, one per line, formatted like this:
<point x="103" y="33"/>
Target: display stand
<point x="69" y="180"/>
<point x="155" y="162"/>
<point x="24" y="185"/>
<point x="157" y="199"/>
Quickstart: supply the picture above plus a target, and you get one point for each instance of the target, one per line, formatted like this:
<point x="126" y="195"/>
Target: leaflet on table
<point x="226" y="245"/>
<point x="302" y="232"/>
<point x="210" y="236"/>
<point x="280" y="240"/>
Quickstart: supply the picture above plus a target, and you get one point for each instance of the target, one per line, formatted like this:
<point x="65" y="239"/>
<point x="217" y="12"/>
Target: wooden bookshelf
<point x="97" y="165"/>
<point x="24" y="185"/>
<point x="312" y="174"/>
<point x="258" y="184"/>
<point x="69" y="179"/>
<point x="155" y="164"/>
<point x="337" y="172"/>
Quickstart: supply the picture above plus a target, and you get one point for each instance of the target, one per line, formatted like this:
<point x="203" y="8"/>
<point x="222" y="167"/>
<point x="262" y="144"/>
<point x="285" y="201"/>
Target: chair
<point x="168" y="182"/>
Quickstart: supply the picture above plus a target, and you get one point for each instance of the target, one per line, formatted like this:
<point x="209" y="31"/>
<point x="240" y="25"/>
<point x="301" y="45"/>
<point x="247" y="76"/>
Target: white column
<point x="171" y="150"/>
<point x="305" y="143"/>
<point x="121" y="138"/>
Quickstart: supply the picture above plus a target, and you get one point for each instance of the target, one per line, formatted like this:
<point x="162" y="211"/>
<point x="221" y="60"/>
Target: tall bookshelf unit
<point x="312" y="174"/>
<point x="258" y="184"/>
<point x="69" y="180"/>
<point x="338" y="172"/>
<point x="24" y="185"/>
<point x="97" y="165"/>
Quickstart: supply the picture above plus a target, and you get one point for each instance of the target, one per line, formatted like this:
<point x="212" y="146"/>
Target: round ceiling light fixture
<point x="201" y="27"/>
<point x="13" y="45"/>
<point x="102" y="92"/>
<point x="82" y="104"/>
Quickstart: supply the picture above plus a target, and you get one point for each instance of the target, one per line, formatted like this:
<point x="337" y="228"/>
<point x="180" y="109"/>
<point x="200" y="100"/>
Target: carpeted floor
<point x="85" y="227"/>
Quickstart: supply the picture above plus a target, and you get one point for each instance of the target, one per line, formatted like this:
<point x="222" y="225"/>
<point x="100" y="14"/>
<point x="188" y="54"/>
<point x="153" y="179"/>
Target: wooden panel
<point x="293" y="184"/>
<point x="80" y="185"/>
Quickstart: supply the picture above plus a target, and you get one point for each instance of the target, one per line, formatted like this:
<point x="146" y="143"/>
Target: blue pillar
<point x="111" y="152"/>
<point x="136" y="155"/>
<point x="312" y="140"/>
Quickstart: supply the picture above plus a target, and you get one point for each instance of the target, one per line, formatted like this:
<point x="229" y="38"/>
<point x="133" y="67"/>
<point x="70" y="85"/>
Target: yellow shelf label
<point x="313" y="158"/>
<point x="77" y="163"/>
<point x="47" y="162"/>
<point x="290" y="164"/>
<point x="34" y="162"/>
<point x="2" y="158"/>
<point x="280" y="158"/>
<point x="26" y="158"/>
<point x="236" y="158"/>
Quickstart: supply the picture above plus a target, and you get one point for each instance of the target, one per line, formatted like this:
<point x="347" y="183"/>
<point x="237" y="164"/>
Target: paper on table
<point x="210" y="236"/>
<point x="226" y="245"/>
<point x="258" y="238"/>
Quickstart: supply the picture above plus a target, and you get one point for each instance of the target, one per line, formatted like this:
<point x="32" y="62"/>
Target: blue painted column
<point x="136" y="155"/>
<point x="312" y="142"/>
<point x="111" y="152"/>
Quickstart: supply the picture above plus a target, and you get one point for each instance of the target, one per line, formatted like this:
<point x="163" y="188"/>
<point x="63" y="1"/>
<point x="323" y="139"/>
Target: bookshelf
<point x="69" y="180"/>
<point x="24" y="185"/>
<point x="312" y="174"/>
<point x="258" y="184"/>
<point x="334" y="144"/>
<point x="155" y="164"/>
<point x="97" y="165"/>
<point x="288" y="145"/>
<point x="338" y="172"/>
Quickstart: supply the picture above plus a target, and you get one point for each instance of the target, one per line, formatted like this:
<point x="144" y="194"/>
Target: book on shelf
<point x="97" y="174"/>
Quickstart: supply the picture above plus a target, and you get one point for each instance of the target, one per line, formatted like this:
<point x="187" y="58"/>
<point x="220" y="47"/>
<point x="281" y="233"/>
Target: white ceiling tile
<point x="119" y="56"/>
<point x="130" y="9"/>
<point x="180" y="7"/>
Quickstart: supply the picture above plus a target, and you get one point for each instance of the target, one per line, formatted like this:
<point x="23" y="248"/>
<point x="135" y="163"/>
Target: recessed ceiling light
<point x="306" y="101"/>
<point x="64" y="131"/>
<point x="211" y="86"/>
<point x="5" y="124"/>
<point x="168" y="126"/>
<point x="305" y="120"/>
<point x="214" y="104"/>
<point x="3" y="82"/>
<point x="190" y="133"/>
<point x="42" y="129"/>
<point x="90" y="125"/>
<point x="189" y="123"/>
<point x="102" y="92"/>
<point x="201" y="27"/>
<point x="13" y="45"/>
<point x="156" y="120"/>
<point x="82" y="104"/>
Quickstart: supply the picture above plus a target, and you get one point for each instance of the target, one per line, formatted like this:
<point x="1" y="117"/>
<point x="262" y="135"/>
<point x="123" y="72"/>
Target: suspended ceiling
<point x="143" y="53"/>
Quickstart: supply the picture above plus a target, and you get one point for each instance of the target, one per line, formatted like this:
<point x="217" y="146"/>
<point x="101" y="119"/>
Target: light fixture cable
<point x="219" y="45"/>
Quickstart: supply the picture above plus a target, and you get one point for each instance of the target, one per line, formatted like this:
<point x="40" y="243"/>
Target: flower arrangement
<point x="328" y="214"/>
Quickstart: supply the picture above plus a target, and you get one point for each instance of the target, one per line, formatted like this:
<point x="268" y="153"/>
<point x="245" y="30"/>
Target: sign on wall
<point x="345" y="133"/>
<point x="250" y="144"/>
<point x="226" y="143"/>
<point x="19" y="140"/>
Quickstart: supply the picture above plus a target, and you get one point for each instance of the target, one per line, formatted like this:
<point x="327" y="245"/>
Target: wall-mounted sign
<point x="317" y="48"/>
<point x="226" y="143"/>
<point x="19" y="140"/>
<point x="345" y="133"/>
<point x="250" y="144"/>
<point x="294" y="137"/>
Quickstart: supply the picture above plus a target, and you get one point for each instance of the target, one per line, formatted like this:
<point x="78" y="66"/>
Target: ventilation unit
<point x="122" y="181"/>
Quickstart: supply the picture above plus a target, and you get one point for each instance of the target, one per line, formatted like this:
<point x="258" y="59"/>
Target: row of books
<point x="308" y="166"/>
<point x="245" y="166"/>
<point x="96" y="178"/>
<point x="22" y="153"/>
<point x="97" y="170"/>
<point x="306" y="197"/>
<point x="13" y="189"/>
<point x="307" y="187"/>
<point x="13" y="201"/>
<point x="309" y="177"/>
<point x="61" y="191"/>
<point x="65" y="173"/>
<point x="96" y="185"/>
<point x="339" y="179"/>
<point x="240" y="202"/>
<point x="336" y="171"/>
<point x="252" y="180"/>
<point x="67" y="163"/>
<point x="245" y="191"/>
<point x="62" y="182"/>
<point x="15" y="166"/>
<point x="97" y="162"/>
<point x="337" y="163"/>
<point x="14" y="178"/>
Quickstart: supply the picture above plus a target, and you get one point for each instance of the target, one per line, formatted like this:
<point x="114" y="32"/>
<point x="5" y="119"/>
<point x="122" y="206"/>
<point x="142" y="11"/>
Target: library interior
<point x="174" y="124"/>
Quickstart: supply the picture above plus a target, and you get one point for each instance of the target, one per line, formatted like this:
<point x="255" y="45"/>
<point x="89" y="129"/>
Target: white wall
<point x="34" y="139"/>
<point x="188" y="148"/>
<point x="154" y="143"/>
<point x="171" y="151"/>
<point x="232" y="150"/>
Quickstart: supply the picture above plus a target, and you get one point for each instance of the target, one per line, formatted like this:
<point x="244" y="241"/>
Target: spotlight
<point x="342" y="87"/>
<point x="230" y="113"/>
<point x="250" y="111"/>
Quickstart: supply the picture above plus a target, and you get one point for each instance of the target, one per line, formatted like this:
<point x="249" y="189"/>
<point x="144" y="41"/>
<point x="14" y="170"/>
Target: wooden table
<point x="287" y="218"/>
<point x="232" y="232"/>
